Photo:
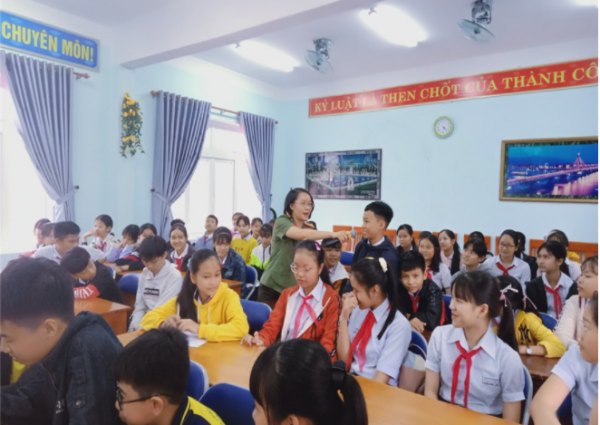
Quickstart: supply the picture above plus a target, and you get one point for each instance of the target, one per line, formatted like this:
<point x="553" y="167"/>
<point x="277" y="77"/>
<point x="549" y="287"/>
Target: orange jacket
<point x="324" y="332"/>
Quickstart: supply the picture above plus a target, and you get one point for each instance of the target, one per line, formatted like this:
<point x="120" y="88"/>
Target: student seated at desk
<point x="127" y="246"/>
<point x="104" y="240"/>
<point x="533" y="337"/>
<point x="37" y="232"/>
<point x="479" y="235"/>
<point x="574" y="266"/>
<point x="429" y="247"/>
<point x="233" y="266"/>
<point x="420" y="297"/>
<point x="449" y="250"/>
<point x="294" y="382"/>
<point x="152" y="374"/>
<point x="490" y="380"/>
<point x="206" y="241"/>
<point x="181" y="249"/>
<point x="406" y="241"/>
<point x="70" y="359"/>
<point x="338" y="276"/>
<point x="92" y="279"/>
<point x="575" y="373"/>
<point x="46" y="238"/>
<point x="473" y="258"/>
<point x="132" y="261"/>
<point x="256" y="225"/>
<point x="507" y="263"/>
<point x="309" y="310"/>
<point x="159" y="282"/>
<point x="66" y="237"/>
<point x="147" y="229"/>
<point x="245" y="243"/>
<point x="205" y="306"/>
<point x="262" y="253"/>
<point x="374" y="333"/>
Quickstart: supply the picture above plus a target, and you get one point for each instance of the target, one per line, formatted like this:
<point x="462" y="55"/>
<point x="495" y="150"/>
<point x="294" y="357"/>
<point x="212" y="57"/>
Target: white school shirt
<point x="521" y="270"/>
<point x="294" y="300"/>
<point x="443" y="278"/>
<point x="154" y="291"/>
<point x="496" y="371"/>
<point x="582" y="379"/>
<point x="176" y="256"/>
<point x="338" y="272"/>
<point x="574" y="269"/>
<point x="564" y="283"/>
<point x="110" y="242"/>
<point x="51" y="253"/>
<point x="385" y="354"/>
<point x="570" y="325"/>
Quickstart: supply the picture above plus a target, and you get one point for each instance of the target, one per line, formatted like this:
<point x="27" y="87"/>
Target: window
<point x="23" y="199"/>
<point x="221" y="184"/>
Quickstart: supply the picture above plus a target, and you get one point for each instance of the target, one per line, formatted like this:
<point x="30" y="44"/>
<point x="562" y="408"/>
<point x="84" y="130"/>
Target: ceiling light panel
<point x="394" y="25"/>
<point x="266" y="56"/>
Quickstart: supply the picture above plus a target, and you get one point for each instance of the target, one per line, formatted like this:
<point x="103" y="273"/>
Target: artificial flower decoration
<point x="132" y="127"/>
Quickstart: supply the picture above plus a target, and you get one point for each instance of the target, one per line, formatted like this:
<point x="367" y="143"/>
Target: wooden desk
<point x="232" y="363"/>
<point x="115" y="314"/>
<point x="539" y="367"/>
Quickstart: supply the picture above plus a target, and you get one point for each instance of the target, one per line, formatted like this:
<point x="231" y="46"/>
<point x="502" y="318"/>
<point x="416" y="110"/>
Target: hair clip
<point x="317" y="246"/>
<point x="525" y="299"/>
<point x="338" y="374"/>
<point x="383" y="264"/>
<point x="503" y="293"/>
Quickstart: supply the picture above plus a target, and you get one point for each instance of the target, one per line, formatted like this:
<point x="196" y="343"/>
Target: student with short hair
<point x="294" y="382"/>
<point x="48" y="234"/>
<point x="374" y="333"/>
<point x="576" y="373"/>
<point x="256" y="225"/>
<point x="70" y="358"/>
<point x="152" y="374"/>
<point x="420" y="297"/>
<point x="104" y="240"/>
<point x="37" y="232"/>
<point x="429" y="247"/>
<point x="127" y="246"/>
<point x="262" y="253"/>
<point x="66" y="237"/>
<point x="159" y="282"/>
<point x="562" y="237"/>
<point x="177" y="221"/>
<point x="473" y="258"/>
<point x="129" y="258"/>
<point x="92" y="279"/>
<point x="479" y="235"/>
<point x="549" y="292"/>
<point x="467" y="363"/>
<point x="181" y="249"/>
<point x="205" y="306"/>
<point x="573" y="265"/>
<point x="338" y="276"/>
<point x="245" y="243"/>
<point x="233" y="266"/>
<point x="406" y="242"/>
<point x="449" y="250"/>
<point x="206" y="241"/>
<point x="147" y="229"/>
<point x="507" y="262"/>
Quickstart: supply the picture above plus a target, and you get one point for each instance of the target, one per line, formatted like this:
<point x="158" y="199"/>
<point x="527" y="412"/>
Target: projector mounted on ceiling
<point x="481" y="16"/>
<point x="318" y="58"/>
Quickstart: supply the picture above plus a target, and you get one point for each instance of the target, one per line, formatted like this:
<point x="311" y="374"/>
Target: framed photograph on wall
<point x="344" y="175"/>
<point x="550" y="170"/>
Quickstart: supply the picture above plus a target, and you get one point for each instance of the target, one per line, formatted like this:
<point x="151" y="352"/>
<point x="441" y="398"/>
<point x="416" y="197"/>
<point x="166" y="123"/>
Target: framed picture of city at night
<point x="550" y="170"/>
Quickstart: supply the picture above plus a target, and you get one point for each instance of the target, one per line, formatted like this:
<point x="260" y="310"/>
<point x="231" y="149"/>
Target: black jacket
<point x="387" y="250"/>
<point x="430" y="304"/>
<point x="537" y="293"/>
<point x="74" y="384"/>
<point x="532" y="264"/>
<point x="104" y="284"/>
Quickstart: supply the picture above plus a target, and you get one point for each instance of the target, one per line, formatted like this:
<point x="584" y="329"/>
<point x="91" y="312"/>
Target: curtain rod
<point x="155" y="93"/>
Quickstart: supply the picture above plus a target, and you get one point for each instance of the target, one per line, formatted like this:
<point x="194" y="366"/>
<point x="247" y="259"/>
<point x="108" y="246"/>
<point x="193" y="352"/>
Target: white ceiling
<point x="357" y="51"/>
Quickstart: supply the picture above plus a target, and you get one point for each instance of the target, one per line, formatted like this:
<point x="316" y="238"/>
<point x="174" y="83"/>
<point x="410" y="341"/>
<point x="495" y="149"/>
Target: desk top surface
<point x="98" y="306"/>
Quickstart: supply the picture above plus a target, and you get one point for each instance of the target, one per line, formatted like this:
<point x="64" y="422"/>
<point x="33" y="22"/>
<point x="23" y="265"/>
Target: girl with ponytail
<point x="374" y="332"/>
<point x="309" y="310"/>
<point x="295" y="382"/>
<point x="467" y="363"/>
<point x="404" y="237"/>
<point x="449" y="250"/>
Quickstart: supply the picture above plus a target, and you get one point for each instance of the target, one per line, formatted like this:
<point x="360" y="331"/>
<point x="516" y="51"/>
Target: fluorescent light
<point x="587" y="2"/>
<point x="266" y="56"/>
<point x="394" y="25"/>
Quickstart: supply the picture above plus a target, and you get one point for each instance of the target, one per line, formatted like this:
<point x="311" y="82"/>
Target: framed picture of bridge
<point x="550" y="170"/>
<point x="344" y="175"/>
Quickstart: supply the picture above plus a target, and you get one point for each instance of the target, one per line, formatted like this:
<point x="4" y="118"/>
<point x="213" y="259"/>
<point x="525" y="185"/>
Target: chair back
<point x="418" y="344"/>
<point x="347" y="258"/>
<point x="447" y="299"/>
<point x="250" y="275"/>
<point x="566" y="408"/>
<point x="233" y="404"/>
<point x="528" y="393"/>
<point x="129" y="283"/>
<point x="197" y="383"/>
<point x="257" y="313"/>
<point x="548" y="321"/>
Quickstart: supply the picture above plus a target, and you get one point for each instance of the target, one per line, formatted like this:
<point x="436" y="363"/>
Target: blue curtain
<point x="259" y="133"/>
<point x="43" y="97"/>
<point x="181" y="124"/>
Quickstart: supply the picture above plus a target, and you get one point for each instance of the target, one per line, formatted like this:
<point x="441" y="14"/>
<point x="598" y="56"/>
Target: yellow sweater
<point x="531" y="331"/>
<point x="221" y="319"/>
<point x="244" y="248"/>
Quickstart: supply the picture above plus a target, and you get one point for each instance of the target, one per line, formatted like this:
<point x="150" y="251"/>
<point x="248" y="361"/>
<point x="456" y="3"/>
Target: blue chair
<point x="257" y="313"/>
<point x="113" y="272"/>
<point x="418" y="344"/>
<point x="197" y="383"/>
<point x="250" y="284"/>
<point x="548" y="321"/>
<point x="566" y="408"/>
<point x="528" y="393"/>
<point x="447" y="299"/>
<point x="347" y="258"/>
<point x="233" y="404"/>
<point x="129" y="283"/>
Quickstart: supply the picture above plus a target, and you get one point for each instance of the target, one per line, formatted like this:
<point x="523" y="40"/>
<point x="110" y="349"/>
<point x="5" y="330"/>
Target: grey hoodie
<point x="482" y="267"/>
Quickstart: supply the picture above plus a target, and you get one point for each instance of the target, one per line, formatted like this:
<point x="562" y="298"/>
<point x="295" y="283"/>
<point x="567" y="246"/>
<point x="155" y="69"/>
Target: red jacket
<point x="325" y="331"/>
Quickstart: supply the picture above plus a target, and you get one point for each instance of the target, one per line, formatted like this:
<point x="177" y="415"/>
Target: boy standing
<point x="337" y="272"/>
<point x="206" y="241"/>
<point x="66" y="237"/>
<point x="159" y="282"/>
<point x="71" y="359"/>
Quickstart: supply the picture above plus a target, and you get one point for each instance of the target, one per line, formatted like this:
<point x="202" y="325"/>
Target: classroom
<point x="328" y="212"/>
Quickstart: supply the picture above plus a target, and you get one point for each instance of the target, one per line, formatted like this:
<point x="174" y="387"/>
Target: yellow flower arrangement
<point x="131" y="122"/>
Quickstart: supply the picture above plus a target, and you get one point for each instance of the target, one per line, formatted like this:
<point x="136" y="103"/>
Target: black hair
<point x="35" y="289"/>
<point x="478" y="246"/>
<point x="148" y="226"/>
<point x="382" y="211"/>
<point x="437" y="257"/>
<point x="292" y="196"/>
<point x="62" y="229"/>
<point x="222" y="235"/>
<point x="411" y="260"/>
<point x="48" y="229"/>
<point x="455" y="266"/>
<point x="477" y="235"/>
<point x="266" y="230"/>
<point x="522" y="242"/>
<point x="177" y="221"/>
<point x="479" y="287"/>
<point x="185" y="299"/>
<point x="560" y="236"/>
<point x="513" y="235"/>
<point x="180" y="228"/>
<point x="558" y="251"/>
<point x="75" y="260"/>
<point x="40" y="224"/>
<point x="409" y="230"/>
<point x="593" y="304"/>
<point x="296" y="377"/>
<point x="317" y="250"/>
<point x="591" y="263"/>
<point x="214" y="217"/>
<point x="368" y="273"/>
<point x="517" y="299"/>
<point x="257" y="220"/>
<point x="156" y="362"/>
<point x="331" y="243"/>
<point x="237" y="213"/>
<point x="133" y="231"/>
<point x="244" y="219"/>
<point x="106" y="219"/>
<point x="313" y="223"/>
<point x="152" y="247"/>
